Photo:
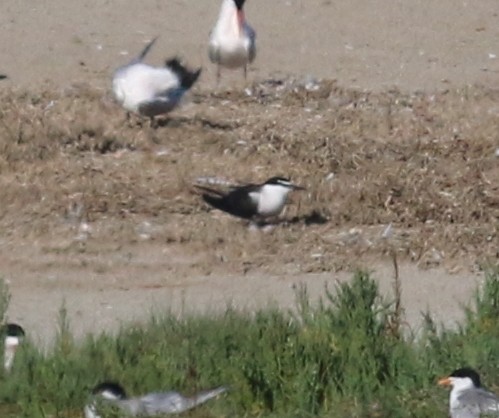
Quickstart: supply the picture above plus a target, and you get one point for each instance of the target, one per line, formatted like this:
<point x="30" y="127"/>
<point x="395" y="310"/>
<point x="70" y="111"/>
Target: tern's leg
<point x="153" y="123"/>
<point x="245" y="73"/>
<point x="218" y="74"/>
<point x="128" y="119"/>
<point x="133" y="120"/>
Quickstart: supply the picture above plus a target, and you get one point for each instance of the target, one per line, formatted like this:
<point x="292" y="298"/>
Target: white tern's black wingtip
<point x="187" y="77"/>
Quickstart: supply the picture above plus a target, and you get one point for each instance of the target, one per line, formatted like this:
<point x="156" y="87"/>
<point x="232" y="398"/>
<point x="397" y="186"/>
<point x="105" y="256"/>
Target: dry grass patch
<point x="424" y="163"/>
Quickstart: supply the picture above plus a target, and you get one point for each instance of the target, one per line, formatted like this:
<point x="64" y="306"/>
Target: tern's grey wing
<point x="465" y="411"/>
<point x="165" y="403"/>
<point x="174" y="402"/>
<point x="99" y="408"/>
<point x="482" y="401"/>
<point x="206" y="395"/>
<point x="161" y="103"/>
<point x="132" y="407"/>
<point x="473" y="403"/>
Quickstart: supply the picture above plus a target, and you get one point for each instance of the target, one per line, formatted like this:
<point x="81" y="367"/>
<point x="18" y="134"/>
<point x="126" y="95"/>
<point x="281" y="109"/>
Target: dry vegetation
<point x="76" y="174"/>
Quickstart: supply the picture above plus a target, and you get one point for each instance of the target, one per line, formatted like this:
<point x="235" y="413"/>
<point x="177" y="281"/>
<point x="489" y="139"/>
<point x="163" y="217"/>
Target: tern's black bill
<point x="239" y="4"/>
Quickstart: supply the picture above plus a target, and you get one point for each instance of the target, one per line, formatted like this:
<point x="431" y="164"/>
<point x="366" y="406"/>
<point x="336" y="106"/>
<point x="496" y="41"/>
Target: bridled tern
<point x="148" y="405"/>
<point x="253" y="200"/>
<point x="152" y="91"/>
<point x="13" y="336"/>
<point x="232" y="40"/>
<point x="467" y="398"/>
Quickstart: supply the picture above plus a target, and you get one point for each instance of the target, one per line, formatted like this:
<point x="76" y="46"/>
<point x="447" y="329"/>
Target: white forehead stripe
<point x="109" y="395"/>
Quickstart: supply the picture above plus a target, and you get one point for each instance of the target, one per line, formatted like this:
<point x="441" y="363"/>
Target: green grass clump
<point x="347" y="356"/>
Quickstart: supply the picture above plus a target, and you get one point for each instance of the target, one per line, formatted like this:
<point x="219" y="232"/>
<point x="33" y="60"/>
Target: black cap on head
<point x="112" y="387"/>
<point x="467" y="372"/>
<point x="13" y="330"/>
<point x="239" y="4"/>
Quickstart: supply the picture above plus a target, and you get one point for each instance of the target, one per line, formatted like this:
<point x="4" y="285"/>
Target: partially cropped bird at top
<point x="151" y="404"/>
<point x="13" y="336"/>
<point x="232" y="41"/>
<point x="467" y="398"/>
<point x="252" y="201"/>
<point x="151" y="91"/>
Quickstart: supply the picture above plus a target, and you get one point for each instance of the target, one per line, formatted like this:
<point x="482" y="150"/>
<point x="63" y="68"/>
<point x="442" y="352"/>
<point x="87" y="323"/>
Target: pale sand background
<point x="372" y="45"/>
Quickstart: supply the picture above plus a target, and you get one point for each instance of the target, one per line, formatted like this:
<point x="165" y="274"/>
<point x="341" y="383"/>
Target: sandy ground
<point x="97" y="302"/>
<point x="375" y="46"/>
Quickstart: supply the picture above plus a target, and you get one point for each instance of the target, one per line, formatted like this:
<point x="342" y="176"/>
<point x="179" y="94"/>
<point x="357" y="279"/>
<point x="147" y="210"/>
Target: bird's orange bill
<point x="445" y="381"/>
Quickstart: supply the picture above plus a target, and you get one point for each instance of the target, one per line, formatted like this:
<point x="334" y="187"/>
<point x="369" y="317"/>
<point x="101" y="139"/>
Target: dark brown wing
<point x="238" y="202"/>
